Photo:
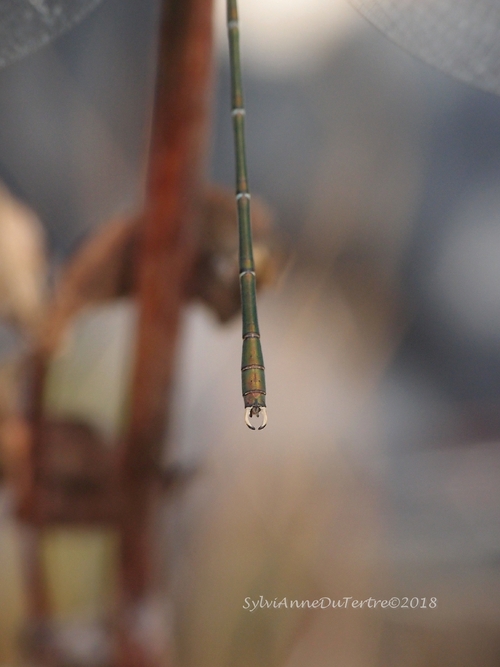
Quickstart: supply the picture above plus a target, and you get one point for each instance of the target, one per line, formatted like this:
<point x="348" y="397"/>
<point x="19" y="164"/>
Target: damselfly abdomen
<point x="252" y="365"/>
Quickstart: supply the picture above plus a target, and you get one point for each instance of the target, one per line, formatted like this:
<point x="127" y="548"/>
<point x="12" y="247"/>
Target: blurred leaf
<point x="23" y="266"/>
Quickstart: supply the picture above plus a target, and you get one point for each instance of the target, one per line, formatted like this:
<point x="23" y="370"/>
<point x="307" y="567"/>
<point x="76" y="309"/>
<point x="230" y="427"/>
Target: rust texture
<point x="166" y="256"/>
<point x="173" y="200"/>
<point x="67" y="474"/>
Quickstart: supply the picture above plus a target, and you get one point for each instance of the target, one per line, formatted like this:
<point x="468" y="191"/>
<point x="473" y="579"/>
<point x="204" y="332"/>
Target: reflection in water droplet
<point x="258" y="416"/>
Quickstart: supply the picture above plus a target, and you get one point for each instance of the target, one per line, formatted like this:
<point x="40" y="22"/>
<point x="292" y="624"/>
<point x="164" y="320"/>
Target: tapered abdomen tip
<point x="256" y="412"/>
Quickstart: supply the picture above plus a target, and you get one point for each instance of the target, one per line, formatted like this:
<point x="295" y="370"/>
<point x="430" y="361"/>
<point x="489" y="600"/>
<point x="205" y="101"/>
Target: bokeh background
<point x="379" y="472"/>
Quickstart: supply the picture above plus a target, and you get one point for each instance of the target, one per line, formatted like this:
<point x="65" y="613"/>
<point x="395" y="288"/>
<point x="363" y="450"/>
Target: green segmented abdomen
<point x="252" y="365"/>
<point x="253" y="380"/>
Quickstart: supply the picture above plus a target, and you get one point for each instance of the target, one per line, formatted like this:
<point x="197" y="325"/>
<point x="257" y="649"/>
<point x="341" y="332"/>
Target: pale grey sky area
<point x="282" y="35"/>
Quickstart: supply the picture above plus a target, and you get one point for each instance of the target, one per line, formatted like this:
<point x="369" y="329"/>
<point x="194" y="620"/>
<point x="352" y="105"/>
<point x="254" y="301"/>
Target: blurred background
<point x="378" y="474"/>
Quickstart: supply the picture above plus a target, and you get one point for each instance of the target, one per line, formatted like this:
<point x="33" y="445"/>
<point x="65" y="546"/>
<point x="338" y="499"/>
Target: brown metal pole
<point x="169" y="239"/>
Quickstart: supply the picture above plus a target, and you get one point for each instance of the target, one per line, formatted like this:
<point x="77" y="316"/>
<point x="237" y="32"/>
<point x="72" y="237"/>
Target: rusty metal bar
<point x="167" y="253"/>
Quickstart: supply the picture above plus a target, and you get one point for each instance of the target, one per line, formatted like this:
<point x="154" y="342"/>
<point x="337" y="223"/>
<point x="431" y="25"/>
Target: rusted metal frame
<point x="38" y="606"/>
<point x="166" y="257"/>
<point x="167" y="252"/>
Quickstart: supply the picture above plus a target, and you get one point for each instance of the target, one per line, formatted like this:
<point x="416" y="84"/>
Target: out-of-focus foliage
<point x="23" y="264"/>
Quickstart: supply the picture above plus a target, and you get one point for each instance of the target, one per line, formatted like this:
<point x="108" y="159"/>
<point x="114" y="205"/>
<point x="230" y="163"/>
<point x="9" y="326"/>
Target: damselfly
<point x="252" y="365"/>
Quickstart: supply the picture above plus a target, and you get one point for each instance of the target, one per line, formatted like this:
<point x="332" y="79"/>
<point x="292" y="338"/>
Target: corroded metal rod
<point x="252" y="365"/>
<point x="165" y="260"/>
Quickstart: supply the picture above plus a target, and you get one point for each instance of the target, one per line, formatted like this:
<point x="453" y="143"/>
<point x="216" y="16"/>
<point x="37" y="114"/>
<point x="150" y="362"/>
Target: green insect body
<point x="252" y="364"/>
